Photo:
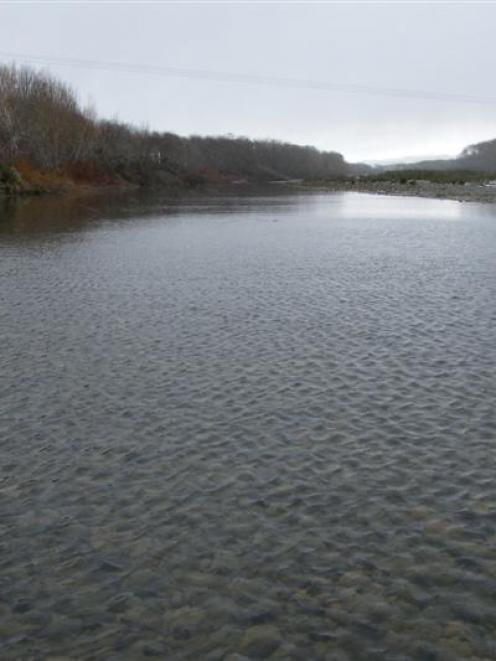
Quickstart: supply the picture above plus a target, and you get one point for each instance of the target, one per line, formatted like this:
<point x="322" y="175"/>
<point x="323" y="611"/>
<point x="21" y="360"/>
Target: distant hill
<point x="358" y="169"/>
<point x="407" y="160"/>
<point x="480" y="157"/>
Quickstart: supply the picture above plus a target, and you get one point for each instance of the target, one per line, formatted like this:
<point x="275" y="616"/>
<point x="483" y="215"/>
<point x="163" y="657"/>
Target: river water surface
<point x="248" y="427"/>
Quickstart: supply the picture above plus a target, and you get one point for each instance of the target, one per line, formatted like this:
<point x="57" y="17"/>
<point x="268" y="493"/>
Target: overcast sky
<point x="439" y="48"/>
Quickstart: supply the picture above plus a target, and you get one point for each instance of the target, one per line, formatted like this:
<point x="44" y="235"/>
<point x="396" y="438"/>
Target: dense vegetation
<point x="47" y="138"/>
<point x="481" y="156"/>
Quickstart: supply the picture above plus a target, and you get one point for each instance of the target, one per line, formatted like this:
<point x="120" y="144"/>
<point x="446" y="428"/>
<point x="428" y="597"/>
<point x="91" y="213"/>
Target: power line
<point x="244" y="78"/>
<point x="256" y="2"/>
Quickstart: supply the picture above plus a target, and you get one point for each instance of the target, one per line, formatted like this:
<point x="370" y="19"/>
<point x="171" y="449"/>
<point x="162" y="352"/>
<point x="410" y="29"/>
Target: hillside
<point x="480" y="157"/>
<point x="48" y="141"/>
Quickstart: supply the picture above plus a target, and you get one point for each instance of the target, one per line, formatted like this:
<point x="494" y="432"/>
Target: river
<point x="248" y="426"/>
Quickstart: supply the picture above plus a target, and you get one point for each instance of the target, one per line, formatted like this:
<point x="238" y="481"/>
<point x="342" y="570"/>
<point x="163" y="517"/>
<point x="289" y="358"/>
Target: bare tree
<point x="41" y="121"/>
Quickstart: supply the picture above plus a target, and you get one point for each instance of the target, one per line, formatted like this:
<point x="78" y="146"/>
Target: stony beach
<point x="469" y="192"/>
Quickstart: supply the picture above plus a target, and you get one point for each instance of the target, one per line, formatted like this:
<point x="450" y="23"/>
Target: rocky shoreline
<point x="468" y="192"/>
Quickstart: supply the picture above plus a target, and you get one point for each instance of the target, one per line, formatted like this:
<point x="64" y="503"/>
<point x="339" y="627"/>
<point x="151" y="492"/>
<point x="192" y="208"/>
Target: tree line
<point x="43" y="124"/>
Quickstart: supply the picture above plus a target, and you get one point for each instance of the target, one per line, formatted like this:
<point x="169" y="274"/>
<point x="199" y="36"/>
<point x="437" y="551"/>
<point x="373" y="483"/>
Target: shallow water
<point x="256" y="425"/>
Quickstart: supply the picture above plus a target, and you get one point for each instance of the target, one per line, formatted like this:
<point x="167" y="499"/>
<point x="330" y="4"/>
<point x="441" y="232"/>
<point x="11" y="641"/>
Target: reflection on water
<point x="399" y="208"/>
<point x="256" y="425"/>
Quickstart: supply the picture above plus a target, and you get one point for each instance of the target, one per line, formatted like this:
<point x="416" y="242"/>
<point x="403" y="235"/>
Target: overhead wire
<point x="244" y="78"/>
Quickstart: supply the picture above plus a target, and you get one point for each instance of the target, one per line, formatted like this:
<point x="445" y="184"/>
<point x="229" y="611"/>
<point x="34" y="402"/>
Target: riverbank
<point x="25" y="182"/>
<point x="467" y="192"/>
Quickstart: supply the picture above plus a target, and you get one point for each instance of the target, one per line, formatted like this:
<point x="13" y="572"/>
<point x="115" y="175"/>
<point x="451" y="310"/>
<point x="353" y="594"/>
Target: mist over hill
<point x="479" y="157"/>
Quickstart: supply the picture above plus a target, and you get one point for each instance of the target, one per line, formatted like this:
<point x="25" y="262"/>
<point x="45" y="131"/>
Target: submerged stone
<point x="261" y="640"/>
